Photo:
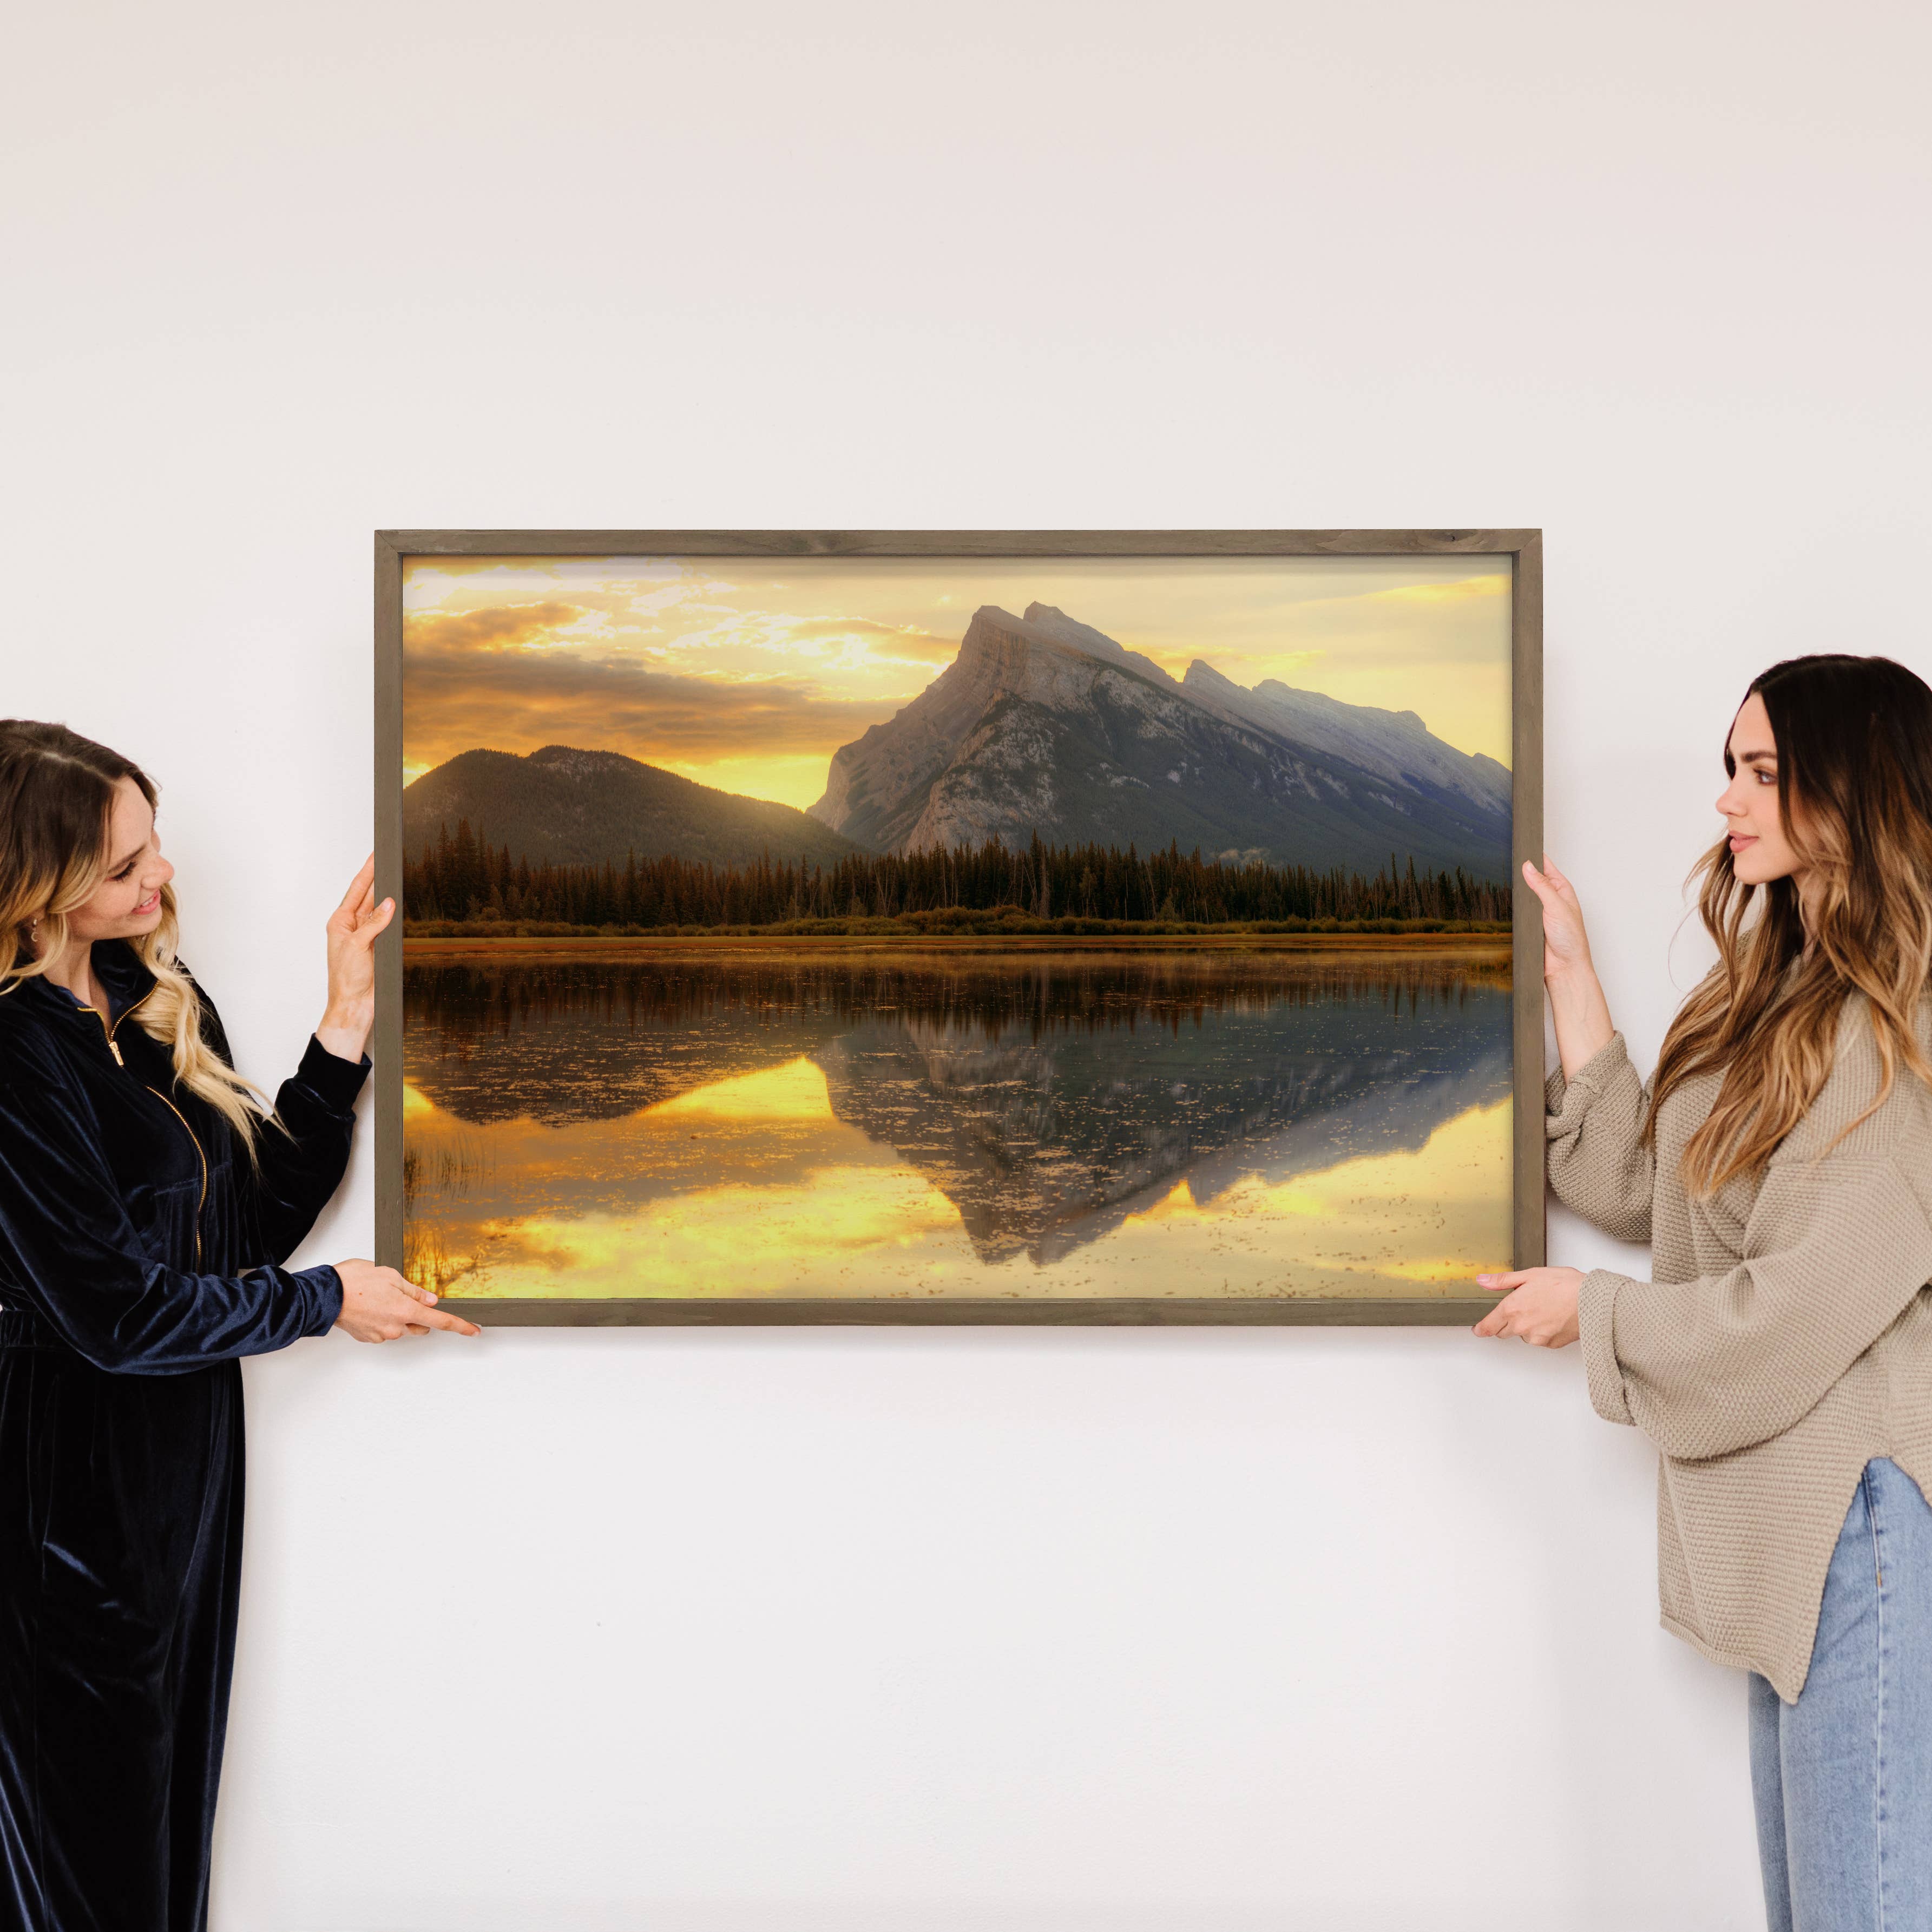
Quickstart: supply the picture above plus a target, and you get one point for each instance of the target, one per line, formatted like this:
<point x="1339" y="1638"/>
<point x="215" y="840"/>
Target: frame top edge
<point x="982" y="542"/>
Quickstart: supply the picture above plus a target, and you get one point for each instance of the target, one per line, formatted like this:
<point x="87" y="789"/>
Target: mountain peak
<point x="1200" y="673"/>
<point x="1046" y="641"/>
<point x="992" y="617"/>
<point x="569" y="758"/>
<point x="1051" y="622"/>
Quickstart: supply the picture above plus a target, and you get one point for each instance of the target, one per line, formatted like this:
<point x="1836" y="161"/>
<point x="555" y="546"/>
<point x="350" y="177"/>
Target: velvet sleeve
<point x="74" y="1258"/>
<point x="301" y="1163"/>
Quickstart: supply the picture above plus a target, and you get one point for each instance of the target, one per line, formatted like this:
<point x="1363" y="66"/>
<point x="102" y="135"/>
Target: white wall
<point x="771" y="1632"/>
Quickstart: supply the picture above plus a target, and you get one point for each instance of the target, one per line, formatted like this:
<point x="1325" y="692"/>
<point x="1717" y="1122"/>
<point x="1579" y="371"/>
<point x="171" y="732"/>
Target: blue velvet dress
<point x="140" y="1257"/>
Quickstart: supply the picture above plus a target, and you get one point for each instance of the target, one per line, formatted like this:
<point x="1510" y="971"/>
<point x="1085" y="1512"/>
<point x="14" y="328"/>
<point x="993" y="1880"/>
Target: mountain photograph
<point x="913" y="932"/>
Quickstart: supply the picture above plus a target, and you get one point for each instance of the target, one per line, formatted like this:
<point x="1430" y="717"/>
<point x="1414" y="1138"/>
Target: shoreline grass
<point x="1005" y="926"/>
<point x="1487" y="947"/>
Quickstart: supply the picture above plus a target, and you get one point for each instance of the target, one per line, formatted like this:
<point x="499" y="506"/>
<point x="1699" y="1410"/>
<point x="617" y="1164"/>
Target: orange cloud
<point x="456" y="700"/>
<point x="494" y="629"/>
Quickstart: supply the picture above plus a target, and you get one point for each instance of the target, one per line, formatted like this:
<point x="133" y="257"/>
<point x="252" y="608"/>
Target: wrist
<point x="344" y="1027"/>
<point x="1577" y="996"/>
<point x="1574" y="975"/>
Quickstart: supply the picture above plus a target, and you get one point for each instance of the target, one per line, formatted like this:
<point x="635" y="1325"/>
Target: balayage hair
<point x="56" y="805"/>
<point x="1854" y="742"/>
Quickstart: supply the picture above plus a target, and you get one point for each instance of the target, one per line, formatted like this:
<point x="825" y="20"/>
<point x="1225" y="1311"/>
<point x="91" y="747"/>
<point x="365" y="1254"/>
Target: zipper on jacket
<point x="200" y="1153"/>
<point x="113" y="1045"/>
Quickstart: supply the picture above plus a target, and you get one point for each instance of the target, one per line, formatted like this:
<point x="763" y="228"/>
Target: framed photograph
<point x="945" y="926"/>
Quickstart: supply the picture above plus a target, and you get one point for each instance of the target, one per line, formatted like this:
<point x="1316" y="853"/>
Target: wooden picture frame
<point x="1522" y="548"/>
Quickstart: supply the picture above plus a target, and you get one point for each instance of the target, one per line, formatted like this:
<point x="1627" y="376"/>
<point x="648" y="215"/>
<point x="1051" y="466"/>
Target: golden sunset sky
<point x="749" y="675"/>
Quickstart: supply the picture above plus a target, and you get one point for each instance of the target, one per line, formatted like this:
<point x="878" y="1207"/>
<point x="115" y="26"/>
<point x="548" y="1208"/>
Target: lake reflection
<point x="809" y="1122"/>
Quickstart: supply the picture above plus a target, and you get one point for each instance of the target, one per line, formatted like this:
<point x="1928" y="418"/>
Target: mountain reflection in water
<point x="886" y="1124"/>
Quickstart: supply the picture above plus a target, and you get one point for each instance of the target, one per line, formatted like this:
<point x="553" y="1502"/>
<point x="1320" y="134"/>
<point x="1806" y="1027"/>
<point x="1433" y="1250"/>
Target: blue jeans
<point x="1842" y="1780"/>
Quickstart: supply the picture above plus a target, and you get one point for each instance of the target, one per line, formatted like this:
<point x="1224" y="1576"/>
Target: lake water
<point x="765" y="1122"/>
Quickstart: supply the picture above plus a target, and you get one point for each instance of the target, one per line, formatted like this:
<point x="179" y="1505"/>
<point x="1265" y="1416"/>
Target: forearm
<point x="352" y="929"/>
<point x="131" y="1317"/>
<point x="302" y="1156"/>
<point x="1581" y="1014"/>
<point x="184" y="1322"/>
<point x="345" y="1027"/>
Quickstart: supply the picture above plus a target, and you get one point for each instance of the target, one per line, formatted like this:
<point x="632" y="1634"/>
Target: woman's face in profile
<point x="1749" y="802"/>
<point x="128" y="902"/>
<point x="1760" y="852"/>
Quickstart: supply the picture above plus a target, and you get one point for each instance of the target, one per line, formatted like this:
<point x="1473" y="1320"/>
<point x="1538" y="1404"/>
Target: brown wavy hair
<point x="56" y="805"/>
<point x="1854" y="742"/>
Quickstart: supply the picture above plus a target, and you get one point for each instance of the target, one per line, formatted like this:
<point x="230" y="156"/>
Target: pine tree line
<point x="463" y="878"/>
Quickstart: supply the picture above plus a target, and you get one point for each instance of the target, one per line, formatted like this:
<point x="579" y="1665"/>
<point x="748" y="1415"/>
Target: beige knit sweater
<point x="1785" y="1340"/>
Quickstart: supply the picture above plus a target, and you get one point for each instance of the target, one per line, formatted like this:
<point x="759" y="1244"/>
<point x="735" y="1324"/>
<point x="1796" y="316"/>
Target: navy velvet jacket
<point x="132" y="1228"/>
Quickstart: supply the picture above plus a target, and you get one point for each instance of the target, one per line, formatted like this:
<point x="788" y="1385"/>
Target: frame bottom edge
<point x="654" y="1313"/>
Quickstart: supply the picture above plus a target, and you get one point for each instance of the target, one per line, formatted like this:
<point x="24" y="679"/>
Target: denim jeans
<point x="1842" y="1780"/>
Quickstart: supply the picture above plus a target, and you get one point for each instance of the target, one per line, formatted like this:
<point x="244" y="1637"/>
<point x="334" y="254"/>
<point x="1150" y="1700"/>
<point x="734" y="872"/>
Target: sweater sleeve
<point x="69" y="1252"/>
<point x="1836" y="1250"/>
<point x="1597" y="1163"/>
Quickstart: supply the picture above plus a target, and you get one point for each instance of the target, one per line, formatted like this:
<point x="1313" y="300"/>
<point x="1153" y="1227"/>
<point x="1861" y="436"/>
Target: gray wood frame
<point x="1523" y="547"/>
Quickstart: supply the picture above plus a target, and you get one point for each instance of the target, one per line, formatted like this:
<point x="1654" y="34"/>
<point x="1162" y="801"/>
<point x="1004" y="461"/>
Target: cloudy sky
<point x="749" y="675"/>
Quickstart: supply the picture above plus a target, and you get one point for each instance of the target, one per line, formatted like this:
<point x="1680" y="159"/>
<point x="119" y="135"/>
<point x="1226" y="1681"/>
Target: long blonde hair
<point x="1854" y="740"/>
<point x="56" y="803"/>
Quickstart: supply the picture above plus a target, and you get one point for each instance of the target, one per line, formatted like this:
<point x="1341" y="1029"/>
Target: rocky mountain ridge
<point x="1042" y="723"/>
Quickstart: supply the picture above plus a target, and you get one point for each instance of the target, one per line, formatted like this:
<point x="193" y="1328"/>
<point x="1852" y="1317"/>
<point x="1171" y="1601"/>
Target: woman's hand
<point x="352" y="929"/>
<point x="379" y="1305"/>
<point x="1539" y="1305"/>
<point x="1566" y="945"/>
<point x="1577" y="1006"/>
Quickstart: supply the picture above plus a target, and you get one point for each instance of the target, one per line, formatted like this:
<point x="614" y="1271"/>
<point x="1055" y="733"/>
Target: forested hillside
<point x="574" y="808"/>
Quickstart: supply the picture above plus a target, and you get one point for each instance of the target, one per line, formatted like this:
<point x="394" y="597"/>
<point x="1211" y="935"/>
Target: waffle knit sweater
<point x="1785" y="1340"/>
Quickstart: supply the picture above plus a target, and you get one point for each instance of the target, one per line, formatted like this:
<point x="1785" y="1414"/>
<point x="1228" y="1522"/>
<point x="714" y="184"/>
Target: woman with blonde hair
<point x="148" y="1200"/>
<point x="1779" y="1162"/>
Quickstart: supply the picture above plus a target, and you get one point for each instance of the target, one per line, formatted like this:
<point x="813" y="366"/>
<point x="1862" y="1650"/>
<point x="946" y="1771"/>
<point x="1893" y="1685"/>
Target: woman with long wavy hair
<point x="1779" y="1162"/>
<point x="148" y="1199"/>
